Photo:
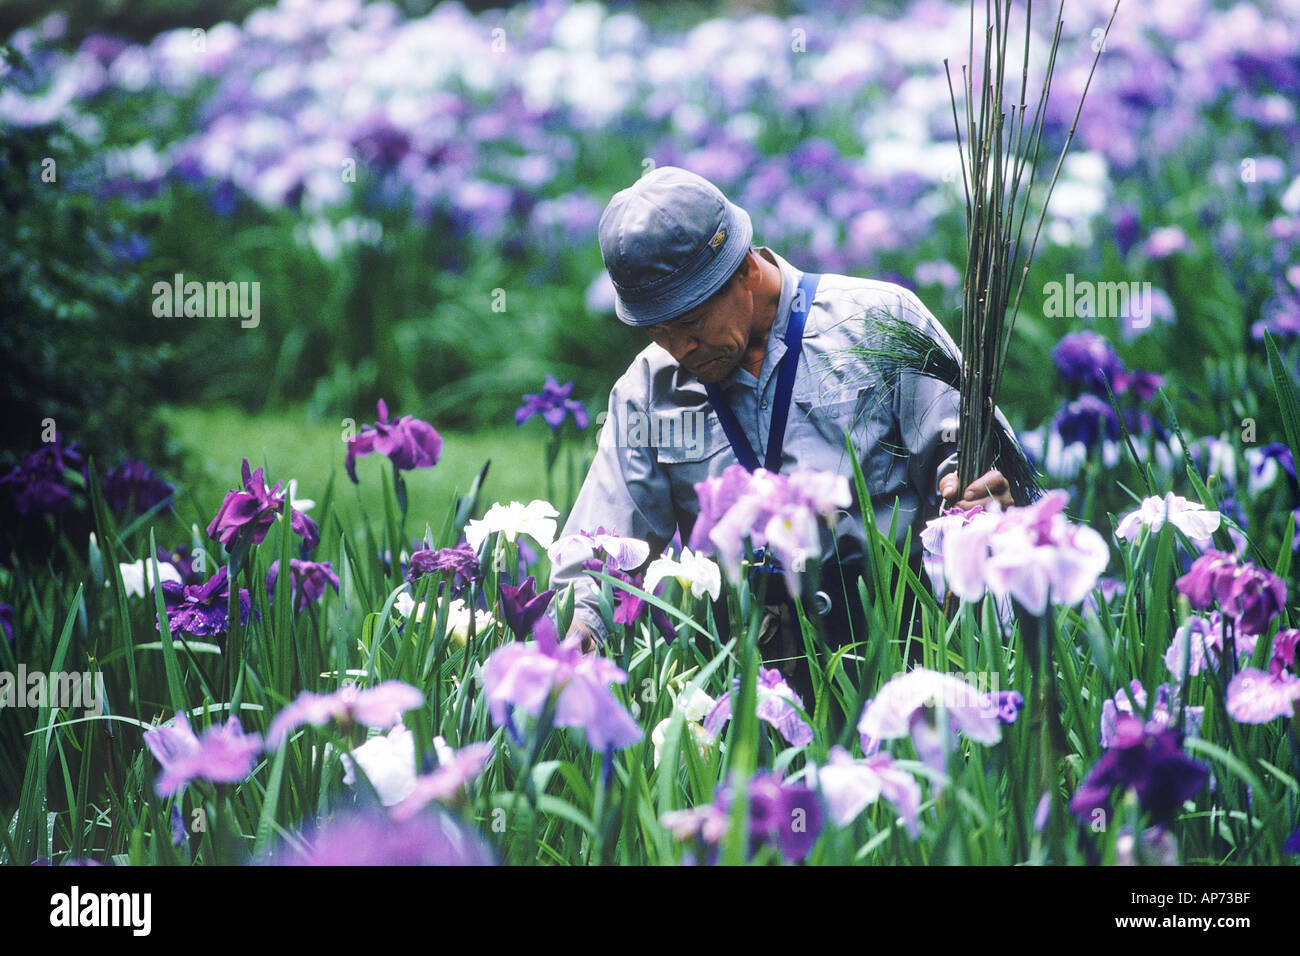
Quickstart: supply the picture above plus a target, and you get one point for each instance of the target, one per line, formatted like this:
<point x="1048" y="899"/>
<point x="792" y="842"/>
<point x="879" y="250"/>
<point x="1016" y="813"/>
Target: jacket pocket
<point x="688" y="438"/>
<point x="868" y="420"/>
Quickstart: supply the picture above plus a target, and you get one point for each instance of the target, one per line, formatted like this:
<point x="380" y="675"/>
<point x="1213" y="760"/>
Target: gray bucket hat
<point x="670" y="241"/>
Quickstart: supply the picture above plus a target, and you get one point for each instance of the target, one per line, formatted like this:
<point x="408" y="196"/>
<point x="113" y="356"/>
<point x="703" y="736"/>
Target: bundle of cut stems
<point x="999" y="157"/>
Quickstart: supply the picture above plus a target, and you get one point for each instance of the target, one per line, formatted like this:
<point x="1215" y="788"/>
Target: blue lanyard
<point x="799" y="306"/>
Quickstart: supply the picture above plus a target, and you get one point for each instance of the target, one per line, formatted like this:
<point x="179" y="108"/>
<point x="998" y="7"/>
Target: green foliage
<point x="79" y="342"/>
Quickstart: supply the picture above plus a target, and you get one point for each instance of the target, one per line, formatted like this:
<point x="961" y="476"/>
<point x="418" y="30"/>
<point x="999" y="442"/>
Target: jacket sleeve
<point x="928" y="415"/>
<point x="626" y="492"/>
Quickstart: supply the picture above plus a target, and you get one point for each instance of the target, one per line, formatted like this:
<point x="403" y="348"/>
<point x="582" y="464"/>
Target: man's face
<point x="710" y="340"/>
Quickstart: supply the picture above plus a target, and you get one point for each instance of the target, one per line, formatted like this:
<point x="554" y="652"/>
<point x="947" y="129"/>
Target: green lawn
<point x="215" y="439"/>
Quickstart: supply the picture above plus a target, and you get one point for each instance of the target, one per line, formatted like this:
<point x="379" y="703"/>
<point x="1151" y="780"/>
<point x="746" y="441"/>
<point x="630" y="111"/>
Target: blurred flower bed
<point x="393" y="182"/>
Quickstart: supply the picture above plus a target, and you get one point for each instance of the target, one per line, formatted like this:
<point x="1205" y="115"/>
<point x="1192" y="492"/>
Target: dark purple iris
<point x="1284" y="651"/>
<point x="628" y="606"/>
<point x="522" y="606"/>
<point x="553" y="404"/>
<point x="1292" y="844"/>
<point x="36" y="482"/>
<point x="1150" y="762"/>
<point x="1086" y="359"/>
<point x="786" y="815"/>
<point x="179" y="833"/>
<point x="134" y="488"/>
<point x="1009" y="704"/>
<point x="1250" y="594"/>
<point x="252" y="511"/>
<point x="460" y="561"/>
<point x="1087" y="419"/>
<point x="1208" y="580"/>
<point x="7" y="621"/>
<point x="1282" y="454"/>
<point x="1142" y="384"/>
<point x="1255" y="597"/>
<point x="202" y="610"/>
<point x="306" y="578"/>
<point x="408" y="443"/>
<point x="1128" y="226"/>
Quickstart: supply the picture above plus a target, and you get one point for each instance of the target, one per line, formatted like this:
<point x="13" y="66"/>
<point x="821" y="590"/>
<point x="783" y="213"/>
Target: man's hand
<point x="983" y="491"/>
<point x="589" y="643"/>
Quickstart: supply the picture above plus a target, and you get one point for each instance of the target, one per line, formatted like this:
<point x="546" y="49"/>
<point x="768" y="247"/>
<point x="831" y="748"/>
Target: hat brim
<point x="690" y="288"/>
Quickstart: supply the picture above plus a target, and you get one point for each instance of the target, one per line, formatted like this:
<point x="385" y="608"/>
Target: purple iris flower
<point x="1282" y="454"/>
<point x="1250" y="594"/>
<point x="372" y="838"/>
<point x="553" y="404"/>
<point x="380" y="706"/>
<point x="1198" y="643"/>
<point x="1257" y="697"/>
<point x="627" y="606"/>
<point x="850" y="786"/>
<point x="456" y="771"/>
<point x="307" y="578"/>
<point x="1033" y="554"/>
<point x="252" y="511"/>
<point x="905" y="706"/>
<point x="529" y="676"/>
<point x="1275" y="452"/>
<point x="776" y="512"/>
<point x="1127" y="224"/>
<point x="1087" y="360"/>
<point x="1255" y="598"/>
<point x="408" y="443"/>
<point x="133" y="486"/>
<point x="223" y="754"/>
<point x="1292" y="844"/>
<point x="717" y="496"/>
<point x="1009" y="703"/>
<point x="1150" y="762"/>
<point x="1209" y="579"/>
<point x="179" y="833"/>
<point x="1284" y="650"/>
<point x="36" y="482"/>
<point x="461" y="561"/>
<point x="202" y="609"/>
<point x="1112" y="710"/>
<point x="617" y="552"/>
<point x="1087" y="419"/>
<point x="1165" y="241"/>
<point x="787" y="816"/>
<point x="7" y="622"/>
<point x="1137" y="317"/>
<point x="1281" y="317"/>
<point x="1142" y="384"/>
<point x="522" y="606"/>
<point x="778" y="705"/>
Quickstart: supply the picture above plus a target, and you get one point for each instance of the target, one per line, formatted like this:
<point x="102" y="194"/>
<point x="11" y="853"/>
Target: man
<point x="720" y="315"/>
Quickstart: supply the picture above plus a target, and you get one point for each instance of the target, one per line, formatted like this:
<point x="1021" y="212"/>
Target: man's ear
<point x="748" y="271"/>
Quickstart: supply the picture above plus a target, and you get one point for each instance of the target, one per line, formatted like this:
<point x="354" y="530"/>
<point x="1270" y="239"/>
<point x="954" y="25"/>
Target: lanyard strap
<point x="799" y="307"/>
